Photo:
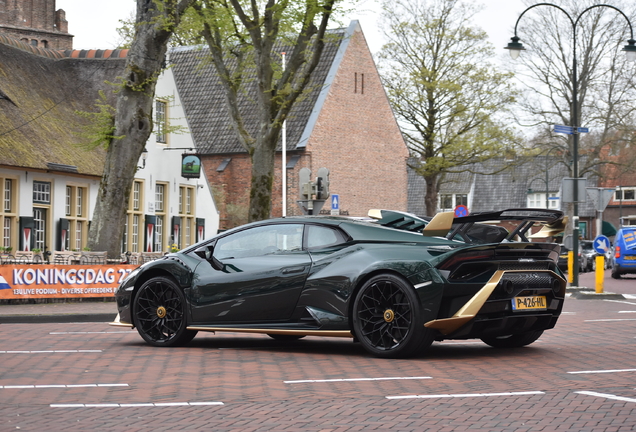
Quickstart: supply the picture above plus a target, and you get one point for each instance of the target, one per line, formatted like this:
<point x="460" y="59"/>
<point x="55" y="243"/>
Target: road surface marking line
<point x="607" y="396"/>
<point x="466" y="395"/>
<point x="355" y="379"/>
<point x="135" y="405"/>
<point x="45" y="386"/>
<point x="611" y="320"/>
<point x="51" y="352"/>
<point x="621" y="301"/>
<point x="102" y="332"/>
<point x="603" y="371"/>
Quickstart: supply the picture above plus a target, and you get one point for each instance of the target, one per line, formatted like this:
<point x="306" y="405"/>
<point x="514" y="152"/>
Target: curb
<point x="592" y="295"/>
<point x="61" y="318"/>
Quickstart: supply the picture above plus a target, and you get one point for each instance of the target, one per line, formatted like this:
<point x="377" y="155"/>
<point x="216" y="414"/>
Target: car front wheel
<point x="387" y="318"/>
<point x="513" y="341"/>
<point x="159" y="313"/>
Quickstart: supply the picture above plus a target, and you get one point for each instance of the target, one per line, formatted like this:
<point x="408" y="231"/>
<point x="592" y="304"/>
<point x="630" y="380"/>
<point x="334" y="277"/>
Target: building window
<point x="9" y="214"/>
<point x="625" y="194"/>
<point x="133" y="237"/>
<point x="448" y="202"/>
<point x="136" y="195"/>
<point x="69" y="197"/>
<point x="160" y="214"/>
<point x="42" y="192"/>
<point x="187" y="210"/>
<point x="39" y="220"/>
<point x="76" y="213"/>
<point x="161" y="120"/>
<point x="537" y="200"/>
<point x="8" y="195"/>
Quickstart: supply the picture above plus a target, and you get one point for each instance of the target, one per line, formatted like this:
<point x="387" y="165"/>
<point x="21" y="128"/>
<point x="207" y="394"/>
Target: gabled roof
<point x="203" y="98"/>
<point x="40" y="92"/>
<point x="508" y="188"/>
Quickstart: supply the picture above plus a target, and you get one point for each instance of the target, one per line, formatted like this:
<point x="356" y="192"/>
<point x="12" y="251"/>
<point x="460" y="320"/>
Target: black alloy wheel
<point x="159" y="313"/>
<point x="387" y="319"/>
<point x="513" y="341"/>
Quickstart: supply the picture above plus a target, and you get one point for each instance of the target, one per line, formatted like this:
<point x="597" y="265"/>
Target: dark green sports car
<point x="394" y="282"/>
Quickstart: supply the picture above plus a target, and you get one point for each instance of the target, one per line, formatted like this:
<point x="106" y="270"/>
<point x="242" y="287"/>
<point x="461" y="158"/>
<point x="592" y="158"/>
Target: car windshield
<point x="587" y="246"/>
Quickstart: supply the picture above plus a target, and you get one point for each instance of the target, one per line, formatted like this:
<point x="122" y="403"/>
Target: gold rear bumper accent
<point x="474" y="305"/>
<point x="469" y="310"/>
<point x="328" y="333"/>
<point x="119" y="323"/>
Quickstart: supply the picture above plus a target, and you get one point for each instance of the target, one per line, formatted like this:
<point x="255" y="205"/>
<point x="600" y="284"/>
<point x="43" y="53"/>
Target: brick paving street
<point x="90" y="376"/>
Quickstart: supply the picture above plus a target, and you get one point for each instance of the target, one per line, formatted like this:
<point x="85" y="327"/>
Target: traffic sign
<point x="461" y="210"/>
<point x="563" y="129"/>
<point x="335" y="202"/>
<point x="601" y="244"/>
<point x="583" y="130"/>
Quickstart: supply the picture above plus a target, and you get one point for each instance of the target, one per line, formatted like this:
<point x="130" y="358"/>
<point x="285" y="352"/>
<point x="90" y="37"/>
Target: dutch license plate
<point x="630" y="258"/>
<point x="529" y="303"/>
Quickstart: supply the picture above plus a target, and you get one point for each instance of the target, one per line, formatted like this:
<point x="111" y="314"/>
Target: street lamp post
<point x="515" y="48"/>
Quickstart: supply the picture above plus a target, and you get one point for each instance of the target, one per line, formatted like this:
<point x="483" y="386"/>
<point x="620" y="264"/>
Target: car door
<point x="263" y="272"/>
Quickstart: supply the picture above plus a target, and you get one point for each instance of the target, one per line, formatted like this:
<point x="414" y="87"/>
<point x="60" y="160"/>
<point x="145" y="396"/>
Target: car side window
<point x="259" y="241"/>
<point x="320" y="236"/>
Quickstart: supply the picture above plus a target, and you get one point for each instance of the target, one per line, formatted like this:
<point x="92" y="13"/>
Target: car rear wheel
<point x="387" y="318"/>
<point x="159" y="313"/>
<point x="615" y="273"/>
<point x="513" y="341"/>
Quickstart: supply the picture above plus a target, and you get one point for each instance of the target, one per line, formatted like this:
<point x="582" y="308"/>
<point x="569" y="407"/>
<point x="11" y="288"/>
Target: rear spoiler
<point x="472" y="228"/>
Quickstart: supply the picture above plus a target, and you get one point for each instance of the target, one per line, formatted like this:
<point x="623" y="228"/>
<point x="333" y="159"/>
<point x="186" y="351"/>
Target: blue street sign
<point x="563" y="129"/>
<point x="601" y="244"/>
<point x="335" y="202"/>
<point x="583" y="130"/>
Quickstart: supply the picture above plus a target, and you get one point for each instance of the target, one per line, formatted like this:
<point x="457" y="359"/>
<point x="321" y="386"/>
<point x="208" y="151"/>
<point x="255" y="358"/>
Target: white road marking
<point x="101" y="332"/>
<point x="44" y="386"/>
<point x="603" y="371"/>
<point x="355" y="379"/>
<point x="611" y="320"/>
<point x="607" y="396"/>
<point x="630" y="296"/>
<point x="621" y="301"/>
<point x="467" y="395"/>
<point x="50" y="352"/>
<point x="134" y="405"/>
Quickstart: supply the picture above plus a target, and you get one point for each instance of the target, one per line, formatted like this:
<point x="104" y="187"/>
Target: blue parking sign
<point x="335" y="202"/>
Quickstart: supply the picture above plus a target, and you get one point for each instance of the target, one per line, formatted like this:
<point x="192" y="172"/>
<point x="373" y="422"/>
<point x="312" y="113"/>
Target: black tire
<point x="159" y="313"/>
<point x="615" y="273"/>
<point x="387" y="319"/>
<point x="513" y="341"/>
<point x="285" y="337"/>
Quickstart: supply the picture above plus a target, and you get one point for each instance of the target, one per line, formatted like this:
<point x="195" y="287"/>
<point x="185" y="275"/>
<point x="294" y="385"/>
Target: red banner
<point x="61" y="281"/>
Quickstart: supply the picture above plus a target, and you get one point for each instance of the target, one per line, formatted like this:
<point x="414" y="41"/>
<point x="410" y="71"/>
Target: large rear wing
<point x="477" y="227"/>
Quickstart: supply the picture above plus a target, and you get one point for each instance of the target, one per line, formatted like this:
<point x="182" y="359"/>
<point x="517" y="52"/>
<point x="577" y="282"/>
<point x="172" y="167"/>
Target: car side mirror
<point x="207" y="252"/>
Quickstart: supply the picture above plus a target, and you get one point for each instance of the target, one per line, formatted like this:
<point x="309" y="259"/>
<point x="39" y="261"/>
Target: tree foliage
<point x="245" y="40"/>
<point x="605" y="84"/>
<point x="446" y="94"/>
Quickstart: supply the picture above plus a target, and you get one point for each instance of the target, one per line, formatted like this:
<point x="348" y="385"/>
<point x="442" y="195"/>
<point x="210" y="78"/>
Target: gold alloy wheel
<point x="161" y="312"/>
<point x="389" y="315"/>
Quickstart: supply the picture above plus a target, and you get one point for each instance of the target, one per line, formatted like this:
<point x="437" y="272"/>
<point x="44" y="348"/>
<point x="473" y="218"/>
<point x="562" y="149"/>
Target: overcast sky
<point x="94" y="22"/>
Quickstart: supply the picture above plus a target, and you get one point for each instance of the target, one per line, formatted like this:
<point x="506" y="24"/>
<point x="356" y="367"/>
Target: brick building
<point x="344" y="124"/>
<point x="35" y="22"/>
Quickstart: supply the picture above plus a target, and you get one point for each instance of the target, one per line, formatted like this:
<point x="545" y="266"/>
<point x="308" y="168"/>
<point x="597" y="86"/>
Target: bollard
<point x="570" y="266"/>
<point x="600" y="273"/>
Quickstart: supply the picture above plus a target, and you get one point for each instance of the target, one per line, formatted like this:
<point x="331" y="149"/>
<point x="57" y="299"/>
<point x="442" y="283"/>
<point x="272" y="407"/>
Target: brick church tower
<point x="35" y="22"/>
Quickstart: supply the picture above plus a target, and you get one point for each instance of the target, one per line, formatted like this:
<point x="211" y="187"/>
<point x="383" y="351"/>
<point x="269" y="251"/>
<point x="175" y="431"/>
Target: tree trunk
<point x="133" y="121"/>
<point x="431" y="195"/>
<point x="263" y="159"/>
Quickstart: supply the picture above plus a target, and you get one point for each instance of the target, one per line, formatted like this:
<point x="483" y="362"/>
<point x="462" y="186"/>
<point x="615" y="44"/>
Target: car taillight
<point x="618" y="252"/>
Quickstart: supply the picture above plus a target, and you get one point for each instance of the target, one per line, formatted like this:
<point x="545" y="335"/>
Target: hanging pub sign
<point x="190" y="166"/>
